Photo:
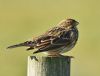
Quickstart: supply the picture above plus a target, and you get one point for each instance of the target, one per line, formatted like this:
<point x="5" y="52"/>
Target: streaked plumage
<point x="59" y="39"/>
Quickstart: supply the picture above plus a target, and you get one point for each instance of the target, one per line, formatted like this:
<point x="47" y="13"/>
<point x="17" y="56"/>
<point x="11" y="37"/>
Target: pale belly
<point x="60" y="50"/>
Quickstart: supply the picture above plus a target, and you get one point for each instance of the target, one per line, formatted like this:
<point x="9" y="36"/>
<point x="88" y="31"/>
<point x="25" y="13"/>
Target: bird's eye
<point x="68" y="22"/>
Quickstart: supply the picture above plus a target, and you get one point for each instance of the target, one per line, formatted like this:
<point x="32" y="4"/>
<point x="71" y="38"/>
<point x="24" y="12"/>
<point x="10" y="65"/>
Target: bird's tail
<point x="27" y="43"/>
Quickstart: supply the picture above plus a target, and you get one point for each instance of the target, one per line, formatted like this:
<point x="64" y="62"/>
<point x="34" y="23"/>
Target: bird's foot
<point x="59" y="55"/>
<point x="54" y="55"/>
<point x="66" y="56"/>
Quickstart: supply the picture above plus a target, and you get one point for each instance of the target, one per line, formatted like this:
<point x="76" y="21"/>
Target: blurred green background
<point x="20" y="20"/>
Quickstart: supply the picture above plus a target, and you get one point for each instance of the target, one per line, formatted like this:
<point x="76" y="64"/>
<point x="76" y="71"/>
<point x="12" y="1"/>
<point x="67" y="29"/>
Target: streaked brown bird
<point x="55" y="41"/>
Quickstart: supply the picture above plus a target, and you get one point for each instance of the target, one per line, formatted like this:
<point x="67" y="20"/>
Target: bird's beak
<point x="77" y="23"/>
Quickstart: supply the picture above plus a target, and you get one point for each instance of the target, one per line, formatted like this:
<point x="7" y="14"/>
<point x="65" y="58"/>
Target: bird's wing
<point x="51" y="41"/>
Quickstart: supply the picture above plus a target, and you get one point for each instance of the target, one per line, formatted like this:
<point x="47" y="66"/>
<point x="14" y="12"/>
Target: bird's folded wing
<point x="49" y="37"/>
<point x="53" y="42"/>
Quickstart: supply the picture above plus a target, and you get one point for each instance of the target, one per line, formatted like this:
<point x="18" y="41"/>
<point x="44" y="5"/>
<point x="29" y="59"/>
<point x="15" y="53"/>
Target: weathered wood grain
<point x="49" y="66"/>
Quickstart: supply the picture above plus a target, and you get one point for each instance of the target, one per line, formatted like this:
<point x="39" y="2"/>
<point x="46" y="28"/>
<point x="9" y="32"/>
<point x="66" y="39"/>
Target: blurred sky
<point x="20" y="20"/>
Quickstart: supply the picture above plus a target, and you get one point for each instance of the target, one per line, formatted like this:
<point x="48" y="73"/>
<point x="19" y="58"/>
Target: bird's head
<point x="69" y="23"/>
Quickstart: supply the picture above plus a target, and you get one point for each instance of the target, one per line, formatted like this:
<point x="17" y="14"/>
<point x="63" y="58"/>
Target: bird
<point x="55" y="41"/>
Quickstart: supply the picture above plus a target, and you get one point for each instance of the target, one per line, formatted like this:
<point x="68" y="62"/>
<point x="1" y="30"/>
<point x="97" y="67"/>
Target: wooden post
<point x="49" y="66"/>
